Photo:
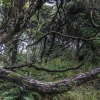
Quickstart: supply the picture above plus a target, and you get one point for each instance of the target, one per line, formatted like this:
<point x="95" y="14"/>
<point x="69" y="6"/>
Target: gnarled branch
<point x="49" y="87"/>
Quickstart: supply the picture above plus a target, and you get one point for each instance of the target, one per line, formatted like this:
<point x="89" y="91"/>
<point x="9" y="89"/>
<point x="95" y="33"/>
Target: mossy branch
<point x="49" y="87"/>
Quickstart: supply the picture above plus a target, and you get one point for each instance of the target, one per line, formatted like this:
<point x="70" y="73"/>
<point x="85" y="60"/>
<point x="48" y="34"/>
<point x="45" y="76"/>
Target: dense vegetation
<point x="50" y="49"/>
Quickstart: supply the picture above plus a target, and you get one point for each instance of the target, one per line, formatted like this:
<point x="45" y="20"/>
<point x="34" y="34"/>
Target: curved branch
<point x="31" y="64"/>
<point x="49" y="87"/>
<point x="43" y="69"/>
<point x="62" y="35"/>
<point x="93" y="23"/>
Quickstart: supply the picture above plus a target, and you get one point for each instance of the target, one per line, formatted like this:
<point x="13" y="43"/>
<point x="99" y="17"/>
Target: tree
<point x="57" y="27"/>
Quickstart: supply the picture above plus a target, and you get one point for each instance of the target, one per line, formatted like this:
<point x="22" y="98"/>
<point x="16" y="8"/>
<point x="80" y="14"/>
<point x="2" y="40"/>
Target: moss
<point x="74" y="82"/>
<point x="99" y="75"/>
<point x="24" y="81"/>
<point x="13" y="75"/>
<point x="62" y="86"/>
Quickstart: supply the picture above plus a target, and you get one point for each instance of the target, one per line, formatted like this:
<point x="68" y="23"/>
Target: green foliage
<point x="7" y="3"/>
<point x="82" y="93"/>
<point x="8" y="91"/>
<point x="11" y="75"/>
<point x="21" y="57"/>
<point x="94" y="58"/>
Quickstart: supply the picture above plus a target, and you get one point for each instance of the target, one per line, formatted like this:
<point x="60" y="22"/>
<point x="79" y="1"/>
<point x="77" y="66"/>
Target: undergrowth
<point x="88" y="91"/>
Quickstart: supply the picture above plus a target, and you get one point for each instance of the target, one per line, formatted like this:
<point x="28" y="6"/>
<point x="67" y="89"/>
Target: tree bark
<point x="49" y="87"/>
<point x="19" y="18"/>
